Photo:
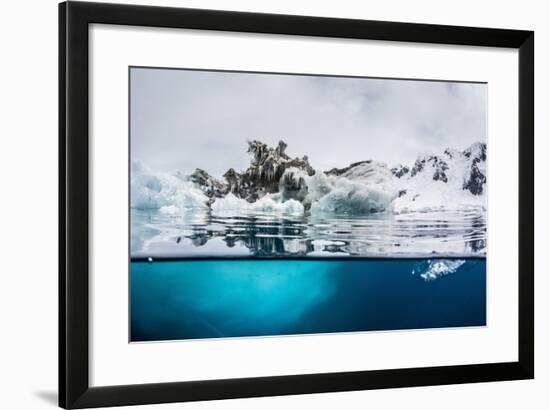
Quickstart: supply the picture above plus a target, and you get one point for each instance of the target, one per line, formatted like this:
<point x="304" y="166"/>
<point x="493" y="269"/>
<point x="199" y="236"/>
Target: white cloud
<point x="183" y="119"/>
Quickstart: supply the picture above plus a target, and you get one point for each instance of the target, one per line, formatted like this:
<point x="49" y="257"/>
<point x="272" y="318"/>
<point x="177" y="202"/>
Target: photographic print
<point x="274" y="204"/>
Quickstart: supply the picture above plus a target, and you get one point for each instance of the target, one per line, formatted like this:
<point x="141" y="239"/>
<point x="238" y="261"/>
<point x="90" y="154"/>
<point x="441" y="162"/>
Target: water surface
<point x="406" y="234"/>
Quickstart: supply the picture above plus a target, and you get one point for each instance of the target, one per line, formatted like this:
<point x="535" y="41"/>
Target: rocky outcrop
<point x="471" y="163"/>
<point x="400" y="170"/>
<point x="211" y="186"/>
<point x="477" y="155"/>
<point x="267" y="167"/>
<point x="475" y="181"/>
<point x="476" y="152"/>
<point x="434" y="164"/>
<point x="271" y="171"/>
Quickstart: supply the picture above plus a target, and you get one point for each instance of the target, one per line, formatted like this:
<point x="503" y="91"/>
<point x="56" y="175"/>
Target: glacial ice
<point x="344" y="196"/>
<point x="155" y="190"/>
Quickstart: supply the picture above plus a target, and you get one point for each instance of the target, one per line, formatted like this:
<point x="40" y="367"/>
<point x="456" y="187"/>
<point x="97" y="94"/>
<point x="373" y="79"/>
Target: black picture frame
<point x="74" y="387"/>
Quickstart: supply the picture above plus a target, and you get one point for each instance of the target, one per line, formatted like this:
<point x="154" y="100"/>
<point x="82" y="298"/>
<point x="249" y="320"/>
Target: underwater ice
<point x="433" y="269"/>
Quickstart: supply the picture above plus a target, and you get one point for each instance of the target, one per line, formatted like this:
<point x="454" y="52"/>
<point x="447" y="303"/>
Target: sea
<point x="203" y="275"/>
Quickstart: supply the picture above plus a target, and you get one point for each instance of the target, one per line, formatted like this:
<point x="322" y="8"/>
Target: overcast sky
<point x="184" y="119"/>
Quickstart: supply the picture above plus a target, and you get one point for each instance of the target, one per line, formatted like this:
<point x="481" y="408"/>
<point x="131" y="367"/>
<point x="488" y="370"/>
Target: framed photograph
<point x="256" y="204"/>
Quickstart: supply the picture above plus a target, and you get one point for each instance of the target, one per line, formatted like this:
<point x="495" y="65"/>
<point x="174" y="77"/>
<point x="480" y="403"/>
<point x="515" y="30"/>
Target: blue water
<point x="195" y="299"/>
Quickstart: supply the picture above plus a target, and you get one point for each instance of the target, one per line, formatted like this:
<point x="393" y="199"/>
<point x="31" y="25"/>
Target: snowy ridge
<point x="454" y="180"/>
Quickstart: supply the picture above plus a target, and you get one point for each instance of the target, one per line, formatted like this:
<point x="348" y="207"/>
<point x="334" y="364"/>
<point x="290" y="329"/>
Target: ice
<point x="169" y="210"/>
<point x="268" y="203"/>
<point x="156" y="190"/>
<point x="369" y="172"/>
<point x="348" y="197"/>
<point x="230" y="203"/>
<point x="433" y="269"/>
<point x="361" y="192"/>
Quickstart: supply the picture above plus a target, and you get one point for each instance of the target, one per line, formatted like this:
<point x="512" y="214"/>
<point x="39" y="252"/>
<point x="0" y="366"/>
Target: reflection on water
<point x="182" y="299"/>
<point x="204" y="233"/>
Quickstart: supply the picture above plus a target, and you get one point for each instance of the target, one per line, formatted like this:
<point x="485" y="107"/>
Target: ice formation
<point x="151" y="190"/>
<point x="347" y="196"/>
<point x="433" y="269"/>
<point x="275" y="182"/>
<point x="268" y="203"/>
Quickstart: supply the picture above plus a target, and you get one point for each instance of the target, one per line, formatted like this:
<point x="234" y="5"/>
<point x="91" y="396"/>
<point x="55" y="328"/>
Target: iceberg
<point x="155" y="190"/>
<point x="276" y="182"/>
<point x="345" y="196"/>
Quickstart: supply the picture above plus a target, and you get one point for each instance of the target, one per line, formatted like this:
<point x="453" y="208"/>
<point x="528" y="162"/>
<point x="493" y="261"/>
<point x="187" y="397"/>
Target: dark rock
<point x="474" y="156"/>
<point x="267" y="168"/>
<point x="475" y="182"/>
<point x="449" y="153"/>
<point x="418" y="166"/>
<point x="439" y="165"/>
<point x="477" y="150"/>
<point x="439" y="175"/>
<point x="477" y="153"/>
<point x="233" y="180"/>
<point x="400" y="170"/>
<point x="211" y="186"/>
<point x="263" y="176"/>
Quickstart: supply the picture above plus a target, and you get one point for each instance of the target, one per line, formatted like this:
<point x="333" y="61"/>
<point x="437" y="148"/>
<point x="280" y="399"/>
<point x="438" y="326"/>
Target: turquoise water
<point x="195" y="299"/>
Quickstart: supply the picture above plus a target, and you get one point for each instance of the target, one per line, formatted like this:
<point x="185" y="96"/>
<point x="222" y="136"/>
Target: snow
<point x="422" y="192"/>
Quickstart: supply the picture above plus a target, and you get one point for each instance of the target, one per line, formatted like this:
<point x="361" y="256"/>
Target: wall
<point x="28" y="169"/>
